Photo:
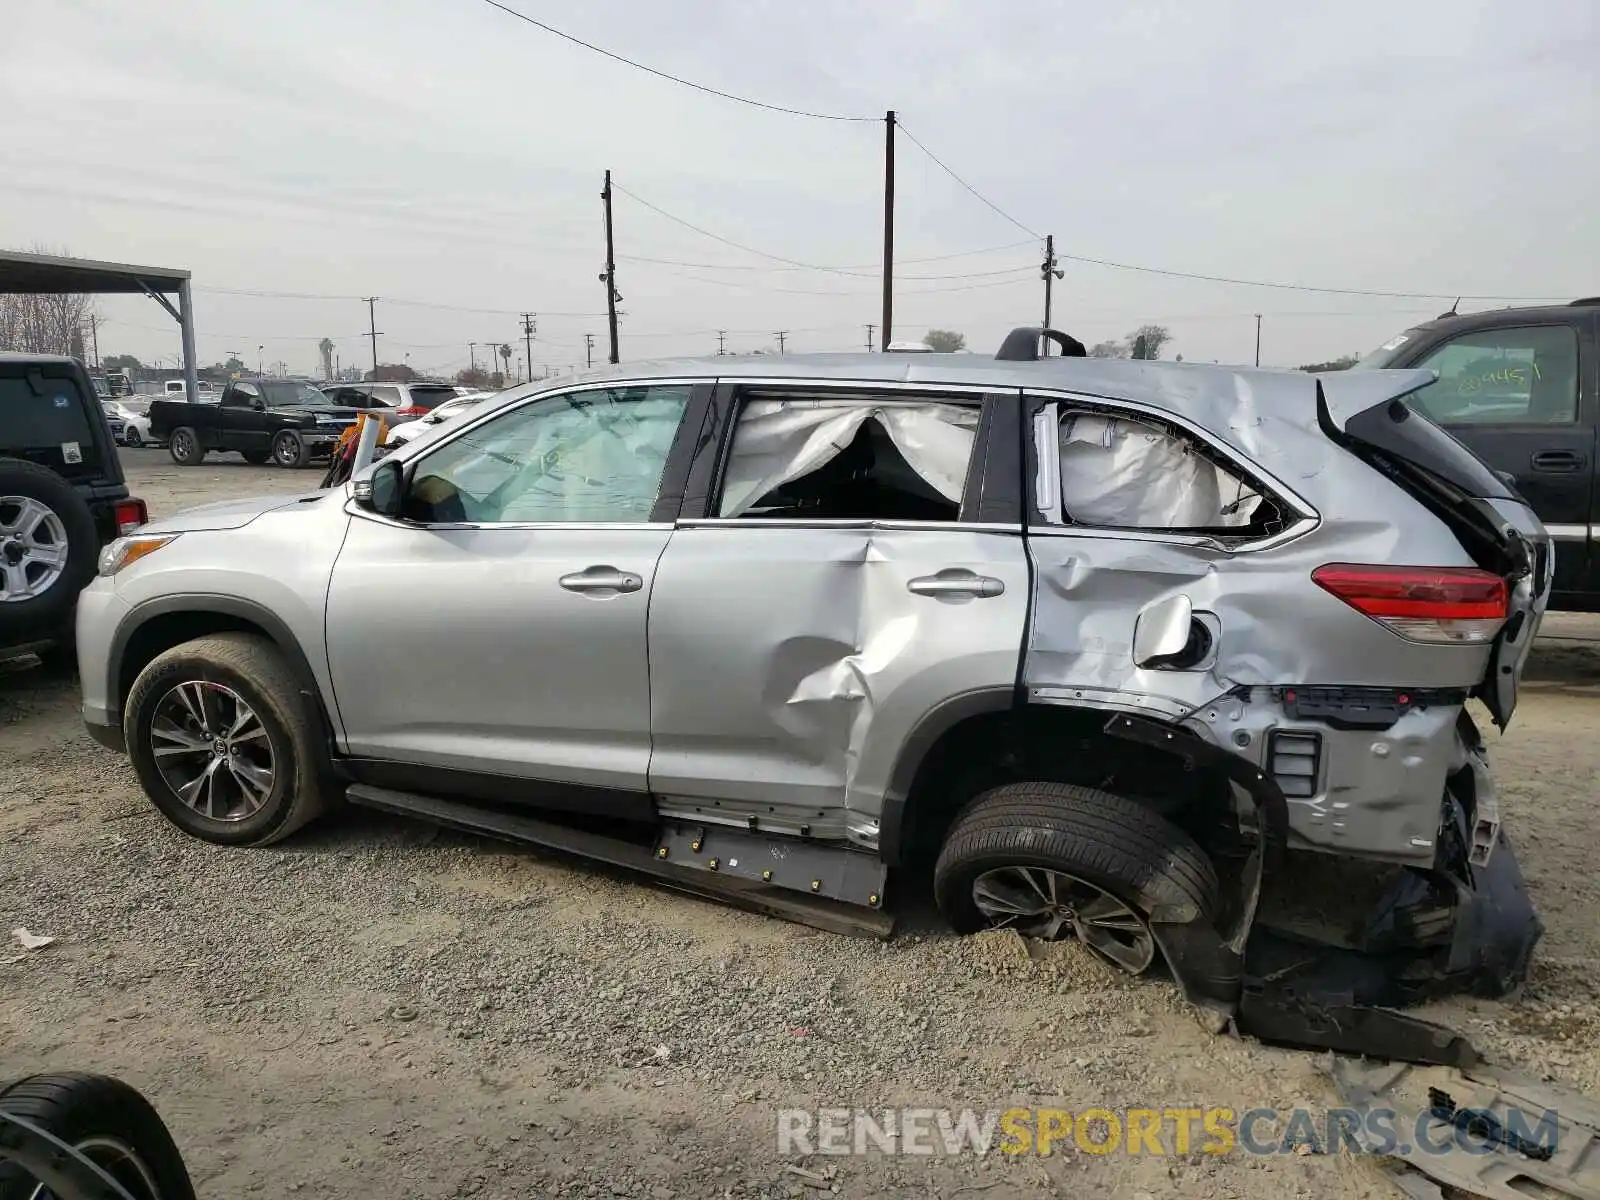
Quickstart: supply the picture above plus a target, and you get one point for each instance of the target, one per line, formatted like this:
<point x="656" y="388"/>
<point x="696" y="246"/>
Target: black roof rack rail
<point x="1586" y="302"/>
<point x="1022" y="344"/>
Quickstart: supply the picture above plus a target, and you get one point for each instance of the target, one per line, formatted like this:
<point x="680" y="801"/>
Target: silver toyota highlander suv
<point x="1092" y="642"/>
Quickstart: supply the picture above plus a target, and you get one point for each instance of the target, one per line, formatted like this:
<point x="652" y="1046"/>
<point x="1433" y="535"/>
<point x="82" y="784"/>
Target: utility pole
<point x="1258" y="339"/>
<point x="472" y="354"/>
<point x="372" y="331"/>
<point x="888" y="228"/>
<point x="530" y="326"/>
<point x="782" y="336"/>
<point x="588" y="349"/>
<point x="1051" y="273"/>
<point x="722" y="341"/>
<point x="610" y="276"/>
<point x="870" y="328"/>
<point x="94" y="332"/>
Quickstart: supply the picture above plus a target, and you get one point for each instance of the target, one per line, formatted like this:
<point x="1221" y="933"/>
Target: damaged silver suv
<point x="1091" y="643"/>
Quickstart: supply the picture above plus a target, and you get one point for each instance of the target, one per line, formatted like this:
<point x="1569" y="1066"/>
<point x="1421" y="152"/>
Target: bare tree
<point x="48" y="324"/>
<point x="945" y="341"/>
<point x="1147" y="340"/>
<point x="1109" y="350"/>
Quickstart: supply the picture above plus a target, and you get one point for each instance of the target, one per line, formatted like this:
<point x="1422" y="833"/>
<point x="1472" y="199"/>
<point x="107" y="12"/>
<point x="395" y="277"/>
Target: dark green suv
<point x="62" y="498"/>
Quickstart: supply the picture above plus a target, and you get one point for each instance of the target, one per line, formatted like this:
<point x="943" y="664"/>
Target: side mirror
<point x="1161" y="630"/>
<point x="259" y="404"/>
<point x="383" y="492"/>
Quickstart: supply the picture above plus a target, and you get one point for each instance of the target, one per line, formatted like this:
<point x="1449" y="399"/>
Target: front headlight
<point x="126" y="551"/>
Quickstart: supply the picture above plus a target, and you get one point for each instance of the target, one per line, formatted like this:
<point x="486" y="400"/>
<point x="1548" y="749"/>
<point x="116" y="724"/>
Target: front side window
<point x="595" y="455"/>
<point x="1504" y="377"/>
<point x="826" y="457"/>
<point x="292" y="395"/>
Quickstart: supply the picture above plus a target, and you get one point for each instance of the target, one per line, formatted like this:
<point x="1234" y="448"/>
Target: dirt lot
<point x="379" y="1010"/>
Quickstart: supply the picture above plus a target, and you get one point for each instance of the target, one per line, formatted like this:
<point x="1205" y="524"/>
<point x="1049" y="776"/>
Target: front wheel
<point x="132" y="439"/>
<point x="1054" y="860"/>
<point x="224" y="743"/>
<point x="289" y="449"/>
<point x="184" y="446"/>
<point x="106" y="1121"/>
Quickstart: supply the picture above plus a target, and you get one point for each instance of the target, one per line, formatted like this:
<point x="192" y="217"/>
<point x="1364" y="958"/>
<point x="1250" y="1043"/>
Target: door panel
<point x="462" y="648"/>
<point x="1521" y="399"/>
<point x="789" y="663"/>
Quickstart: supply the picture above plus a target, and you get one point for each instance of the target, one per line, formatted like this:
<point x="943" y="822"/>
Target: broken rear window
<point x="1121" y="473"/>
<point x="822" y="457"/>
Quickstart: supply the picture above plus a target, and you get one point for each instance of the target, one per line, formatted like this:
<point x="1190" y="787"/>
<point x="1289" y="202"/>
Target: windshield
<point x="290" y="395"/>
<point x="1388" y="352"/>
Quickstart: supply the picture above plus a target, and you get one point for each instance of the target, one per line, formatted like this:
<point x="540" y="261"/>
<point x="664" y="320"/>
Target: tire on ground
<point x="289" y="449"/>
<point x="132" y="438"/>
<point x="183" y="443"/>
<point x="83" y="1108"/>
<point x="25" y="481"/>
<point x="1109" y="841"/>
<point x="257" y="670"/>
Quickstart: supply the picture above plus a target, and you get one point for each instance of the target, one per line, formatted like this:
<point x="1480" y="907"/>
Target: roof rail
<point x="1022" y="344"/>
<point x="1586" y="302"/>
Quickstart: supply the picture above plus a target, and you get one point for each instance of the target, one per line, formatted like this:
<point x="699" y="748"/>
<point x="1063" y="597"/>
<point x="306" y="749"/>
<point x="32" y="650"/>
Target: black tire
<point x="183" y="443"/>
<point x="256" y="671"/>
<point x="72" y="526"/>
<point x="256" y="458"/>
<point x="289" y="449"/>
<point x="132" y="439"/>
<point x="1107" y="841"/>
<point x="110" y="1122"/>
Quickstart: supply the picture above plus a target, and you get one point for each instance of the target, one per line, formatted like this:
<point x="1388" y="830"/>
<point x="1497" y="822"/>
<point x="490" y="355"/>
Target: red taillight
<point x="411" y="410"/>
<point x="1425" y="604"/>
<point x="130" y="515"/>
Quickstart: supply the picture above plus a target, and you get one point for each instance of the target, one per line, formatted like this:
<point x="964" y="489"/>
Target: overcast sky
<point x="440" y="152"/>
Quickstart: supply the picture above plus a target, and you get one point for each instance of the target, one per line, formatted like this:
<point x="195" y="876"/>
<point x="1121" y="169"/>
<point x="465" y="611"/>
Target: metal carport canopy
<point x="22" y="273"/>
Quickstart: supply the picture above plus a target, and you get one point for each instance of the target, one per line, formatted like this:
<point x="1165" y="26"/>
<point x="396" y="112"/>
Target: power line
<point x="717" y="237"/>
<point x="938" y="162"/>
<point x="669" y="262"/>
<point x="699" y="87"/>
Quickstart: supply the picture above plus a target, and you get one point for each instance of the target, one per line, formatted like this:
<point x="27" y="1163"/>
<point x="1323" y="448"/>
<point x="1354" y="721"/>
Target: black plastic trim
<point x="511" y="790"/>
<point x="670" y="498"/>
<point x="705" y="456"/>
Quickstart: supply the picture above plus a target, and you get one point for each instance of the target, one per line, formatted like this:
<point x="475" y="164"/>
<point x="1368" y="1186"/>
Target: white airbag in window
<point x="1130" y="475"/>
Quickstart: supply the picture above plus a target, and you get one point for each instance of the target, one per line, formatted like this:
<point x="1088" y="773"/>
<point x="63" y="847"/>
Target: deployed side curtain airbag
<point x="1131" y="475"/>
<point x="780" y="440"/>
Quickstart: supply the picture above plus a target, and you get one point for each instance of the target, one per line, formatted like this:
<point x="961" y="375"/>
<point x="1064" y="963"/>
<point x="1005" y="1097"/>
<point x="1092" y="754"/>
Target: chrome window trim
<point x="1308" y="517"/>
<point x="846" y="523"/>
<point x="355" y="510"/>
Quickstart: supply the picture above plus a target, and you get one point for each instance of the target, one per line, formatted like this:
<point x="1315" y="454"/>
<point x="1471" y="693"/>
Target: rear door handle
<point x="956" y="582"/>
<point x="1558" y="460"/>
<point x="601" y="579"/>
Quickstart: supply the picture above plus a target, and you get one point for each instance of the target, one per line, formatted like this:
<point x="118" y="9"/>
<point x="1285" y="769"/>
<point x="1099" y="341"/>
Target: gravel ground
<point x="377" y="1008"/>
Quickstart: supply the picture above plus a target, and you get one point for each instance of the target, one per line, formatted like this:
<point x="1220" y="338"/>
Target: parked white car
<point x="130" y="423"/>
<point x="450" y="409"/>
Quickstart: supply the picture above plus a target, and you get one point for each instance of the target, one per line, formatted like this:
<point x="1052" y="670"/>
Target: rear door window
<point x="1522" y="376"/>
<point x="426" y="396"/>
<point x="49" y="426"/>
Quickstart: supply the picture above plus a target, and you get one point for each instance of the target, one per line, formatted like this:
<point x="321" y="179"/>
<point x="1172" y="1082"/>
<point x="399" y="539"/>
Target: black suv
<point x="62" y="498"/>
<point x="1520" y="387"/>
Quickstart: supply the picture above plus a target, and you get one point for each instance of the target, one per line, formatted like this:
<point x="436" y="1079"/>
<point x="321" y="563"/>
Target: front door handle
<point x="601" y="579"/>
<point x="1557" y="460"/>
<point x="956" y="582"/>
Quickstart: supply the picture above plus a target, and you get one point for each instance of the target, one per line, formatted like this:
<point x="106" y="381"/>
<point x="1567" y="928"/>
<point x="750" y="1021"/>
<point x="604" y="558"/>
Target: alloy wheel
<point x="212" y="750"/>
<point x="118" y="1160"/>
<point x="33" y="548"/>
<point x="1043" y="903"/>
<point x="285" y="451"/>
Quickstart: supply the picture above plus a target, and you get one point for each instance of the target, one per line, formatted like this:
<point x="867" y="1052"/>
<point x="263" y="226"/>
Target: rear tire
<point x="106" y="1120"/>
<point x="210" y="771"/>
<point x="184" y="446"/>
<point x="289" y="449"/>
<point x="48" y="549"/>
<point x="1095" y="852"/>
<point x="131" y="438"/>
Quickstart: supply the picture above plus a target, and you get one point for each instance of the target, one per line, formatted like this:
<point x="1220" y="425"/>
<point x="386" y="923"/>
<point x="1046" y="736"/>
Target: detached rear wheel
<point x="107" y="1122"/>
<point x="223" y="742"/>
<point x="1053" y="860"/>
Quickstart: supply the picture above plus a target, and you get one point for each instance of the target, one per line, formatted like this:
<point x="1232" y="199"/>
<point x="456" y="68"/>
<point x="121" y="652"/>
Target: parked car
<point x="130" y="422"/>
<point x="1075" y="636"/>
<point x="1517" y="386"/>
<point x="62" y="498"/>
<point x="438" y="415"/>
<point x="401" y="402"/>
<point x="286" y="420"/>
